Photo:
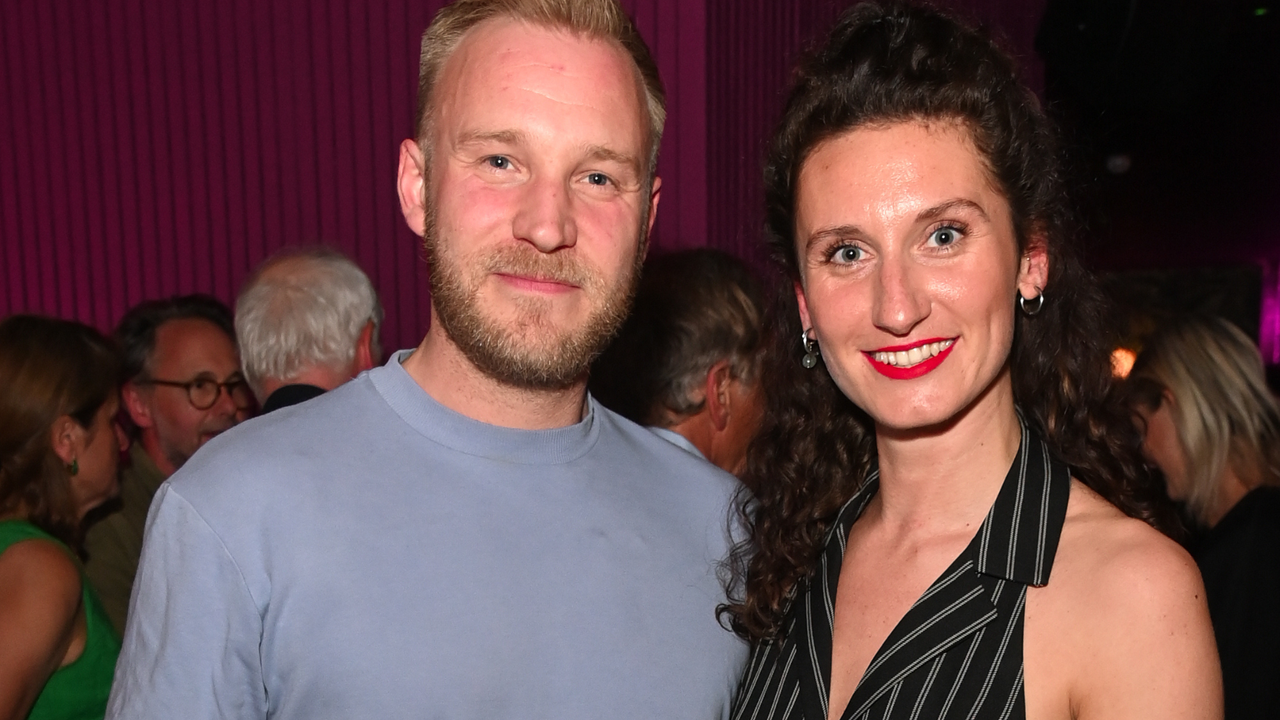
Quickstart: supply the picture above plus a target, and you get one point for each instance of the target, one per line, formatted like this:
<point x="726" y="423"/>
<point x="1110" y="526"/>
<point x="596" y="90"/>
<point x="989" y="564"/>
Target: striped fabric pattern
<point x="957" y="653"/>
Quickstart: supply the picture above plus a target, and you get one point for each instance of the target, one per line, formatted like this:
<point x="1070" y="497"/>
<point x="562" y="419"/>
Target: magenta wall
<point x="153" y="147"/>
<point x="752" y="47"/>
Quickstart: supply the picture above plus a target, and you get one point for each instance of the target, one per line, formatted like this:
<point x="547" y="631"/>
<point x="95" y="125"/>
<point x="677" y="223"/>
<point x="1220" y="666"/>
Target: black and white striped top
<point x="957" y="653"/>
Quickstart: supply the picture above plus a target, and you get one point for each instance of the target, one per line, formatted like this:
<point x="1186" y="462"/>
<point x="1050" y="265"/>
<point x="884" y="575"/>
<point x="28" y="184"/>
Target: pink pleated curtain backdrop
<point x="155" y="147"/>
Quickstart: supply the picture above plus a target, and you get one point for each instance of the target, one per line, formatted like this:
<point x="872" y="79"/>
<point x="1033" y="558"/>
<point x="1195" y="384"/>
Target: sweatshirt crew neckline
<point x="458" y="432"/>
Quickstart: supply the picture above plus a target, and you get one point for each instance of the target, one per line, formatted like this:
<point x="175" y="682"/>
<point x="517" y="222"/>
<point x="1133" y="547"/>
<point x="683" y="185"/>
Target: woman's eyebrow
<point x="933" y="213"/>
<point x="835" y="232"/>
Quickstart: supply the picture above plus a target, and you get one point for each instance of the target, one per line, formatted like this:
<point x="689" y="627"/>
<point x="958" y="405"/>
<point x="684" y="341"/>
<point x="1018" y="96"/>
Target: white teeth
<point x="914" y="356"/>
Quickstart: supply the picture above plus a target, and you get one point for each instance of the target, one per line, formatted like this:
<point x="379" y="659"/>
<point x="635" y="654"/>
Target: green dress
<point x="78" y="691"/>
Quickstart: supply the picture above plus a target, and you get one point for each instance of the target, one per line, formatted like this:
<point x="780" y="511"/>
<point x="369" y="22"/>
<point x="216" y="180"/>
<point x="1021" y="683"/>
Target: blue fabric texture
<point x="372" y="553"/>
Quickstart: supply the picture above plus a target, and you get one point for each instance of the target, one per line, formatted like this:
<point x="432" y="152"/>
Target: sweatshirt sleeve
<point x="191" y="648"/>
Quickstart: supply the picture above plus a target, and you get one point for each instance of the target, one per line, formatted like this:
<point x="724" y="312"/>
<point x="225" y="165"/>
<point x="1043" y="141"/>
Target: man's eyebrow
<point x="477" y="137"/>
<point x="599" y="152"/>
<point x="941" y="209"/>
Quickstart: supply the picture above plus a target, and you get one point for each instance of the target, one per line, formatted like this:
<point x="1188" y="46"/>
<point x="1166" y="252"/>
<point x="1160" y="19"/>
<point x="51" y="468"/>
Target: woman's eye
<point x="944" y="236"/>
<point x="498" y="162"/>
<point x="846" y="254"/>
<point x="598" y="179"/>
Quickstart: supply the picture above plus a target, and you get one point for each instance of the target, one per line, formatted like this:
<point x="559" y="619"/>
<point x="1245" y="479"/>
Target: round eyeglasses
<point x="203" y="393"/>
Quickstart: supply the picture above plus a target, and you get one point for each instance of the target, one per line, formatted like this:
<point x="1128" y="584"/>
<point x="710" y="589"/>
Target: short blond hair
<point x="601" y="19"/>
<point x="1223" y="412"/>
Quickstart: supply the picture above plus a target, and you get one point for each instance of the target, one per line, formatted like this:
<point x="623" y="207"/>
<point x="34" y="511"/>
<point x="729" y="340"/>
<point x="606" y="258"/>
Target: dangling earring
<point x="74" y="467"/>
<point x="810" y="359"/>
<point x="1027" y="305"/>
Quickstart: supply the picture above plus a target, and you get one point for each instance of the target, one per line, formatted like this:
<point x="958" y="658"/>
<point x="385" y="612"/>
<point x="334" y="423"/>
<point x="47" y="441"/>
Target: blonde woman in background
<point x="1213" y="428"/>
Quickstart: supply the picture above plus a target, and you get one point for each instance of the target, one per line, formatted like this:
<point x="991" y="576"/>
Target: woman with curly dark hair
<point x="947" y="509"/>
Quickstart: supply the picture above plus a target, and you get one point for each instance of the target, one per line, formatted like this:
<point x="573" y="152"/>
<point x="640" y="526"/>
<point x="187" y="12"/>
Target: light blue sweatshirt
<point x="373" y="554"/>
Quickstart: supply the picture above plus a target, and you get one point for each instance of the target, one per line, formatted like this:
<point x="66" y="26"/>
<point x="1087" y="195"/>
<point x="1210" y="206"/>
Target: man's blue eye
<point x="598" y="179"/>
<point x="498" y="162"/>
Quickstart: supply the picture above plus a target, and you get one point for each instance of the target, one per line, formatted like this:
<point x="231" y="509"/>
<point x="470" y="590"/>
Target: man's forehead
<point x="189" y="346"/>
<point x="504" y="62"/>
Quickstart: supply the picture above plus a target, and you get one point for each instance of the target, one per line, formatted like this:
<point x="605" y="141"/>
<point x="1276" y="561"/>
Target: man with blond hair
<point x="464" y="532"/>
<point x="306" y="322"/>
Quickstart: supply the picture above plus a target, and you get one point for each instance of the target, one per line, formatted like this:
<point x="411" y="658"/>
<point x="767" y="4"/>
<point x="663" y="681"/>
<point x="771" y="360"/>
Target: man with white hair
<point x="306" y="321"/>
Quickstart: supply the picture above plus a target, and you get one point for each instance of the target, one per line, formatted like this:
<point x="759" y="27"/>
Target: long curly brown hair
<point x="885" y="63"/>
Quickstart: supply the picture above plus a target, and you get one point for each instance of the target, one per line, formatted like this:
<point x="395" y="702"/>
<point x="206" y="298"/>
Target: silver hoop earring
<point x="1033" y="306"/>
<point x="810" y="359"/>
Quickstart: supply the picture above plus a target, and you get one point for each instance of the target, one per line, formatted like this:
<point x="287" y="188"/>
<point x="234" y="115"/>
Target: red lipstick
<point x="925" y="367"/>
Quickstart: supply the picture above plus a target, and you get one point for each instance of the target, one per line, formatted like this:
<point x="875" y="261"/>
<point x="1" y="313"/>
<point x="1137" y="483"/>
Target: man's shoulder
<point x="616" y="427"/>
<point x="272" y="447"/>
<point x="651" y="454"/>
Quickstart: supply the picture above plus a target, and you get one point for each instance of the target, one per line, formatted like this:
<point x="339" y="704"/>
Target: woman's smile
<point x="910" y="270"/>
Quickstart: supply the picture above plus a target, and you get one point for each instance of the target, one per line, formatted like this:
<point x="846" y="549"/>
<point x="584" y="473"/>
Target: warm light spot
<point x="1122" y="362"/>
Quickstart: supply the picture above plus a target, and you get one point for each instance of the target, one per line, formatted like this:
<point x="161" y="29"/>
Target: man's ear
<point x="412" y="186"/>
<point x="364" y="359"/>
<point x="1033" y="269"/>
<point x="67" y="438"/>
<point x="655" y="194"/>
<point x="136" y="405"/>
<point x="718" y="398"/>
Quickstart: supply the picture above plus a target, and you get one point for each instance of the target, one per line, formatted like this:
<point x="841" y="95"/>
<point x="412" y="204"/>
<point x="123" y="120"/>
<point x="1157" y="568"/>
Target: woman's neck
<point x="1231" y="490"/>
<point x="947" y="477"/>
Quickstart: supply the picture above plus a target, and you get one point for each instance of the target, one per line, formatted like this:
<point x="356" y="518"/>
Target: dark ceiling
<point x="1172" y="106"/>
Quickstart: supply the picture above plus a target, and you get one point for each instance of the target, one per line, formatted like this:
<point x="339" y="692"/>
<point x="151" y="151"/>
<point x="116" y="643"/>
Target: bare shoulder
<point x="39" y="607"/>
<point x="1127" y="606"/>
<point x="40" y="567"/>
<point x="1123" y="562"/>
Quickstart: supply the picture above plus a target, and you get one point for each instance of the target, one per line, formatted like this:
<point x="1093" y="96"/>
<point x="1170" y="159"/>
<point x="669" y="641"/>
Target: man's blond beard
<point x="530" y="353"/>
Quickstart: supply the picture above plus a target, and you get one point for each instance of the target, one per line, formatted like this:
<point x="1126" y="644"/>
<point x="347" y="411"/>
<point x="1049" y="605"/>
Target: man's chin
<point x="530" y="371"/>
<point x="207" y="435"/>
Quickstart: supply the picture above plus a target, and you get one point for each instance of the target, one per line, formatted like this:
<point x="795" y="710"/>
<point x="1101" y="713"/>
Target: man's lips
<point x="537" y="284"/>
<point x="904" y="362"/>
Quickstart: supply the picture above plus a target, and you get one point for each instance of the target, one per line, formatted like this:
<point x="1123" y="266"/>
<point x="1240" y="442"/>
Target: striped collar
<point x="1013" y="542"/>
<point x="1016" y="542"/>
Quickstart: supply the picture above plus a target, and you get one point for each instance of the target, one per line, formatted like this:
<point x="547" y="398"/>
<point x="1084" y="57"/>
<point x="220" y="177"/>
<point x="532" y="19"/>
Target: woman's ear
<point x="67" y="438"/>
<point x="805" y="321"/>
<point x="1033" y="269"/>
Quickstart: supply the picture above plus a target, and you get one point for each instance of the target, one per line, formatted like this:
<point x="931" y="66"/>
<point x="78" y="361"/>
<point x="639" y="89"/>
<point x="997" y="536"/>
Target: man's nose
<point x="901" y="300"/>
<point x="224" y="406"/>
<point x="545" y="215"/>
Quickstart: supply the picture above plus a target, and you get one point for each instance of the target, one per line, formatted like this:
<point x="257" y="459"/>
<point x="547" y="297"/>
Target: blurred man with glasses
<point x="182" y="386"/>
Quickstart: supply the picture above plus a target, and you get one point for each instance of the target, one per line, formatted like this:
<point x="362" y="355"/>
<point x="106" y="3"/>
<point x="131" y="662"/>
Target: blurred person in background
<point x="59" y="449"/>
<point x="686" y="362"/>
<point x="183" y="386"/>
<point x="306" y="322"/>
<point x="1213" y="428"/>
